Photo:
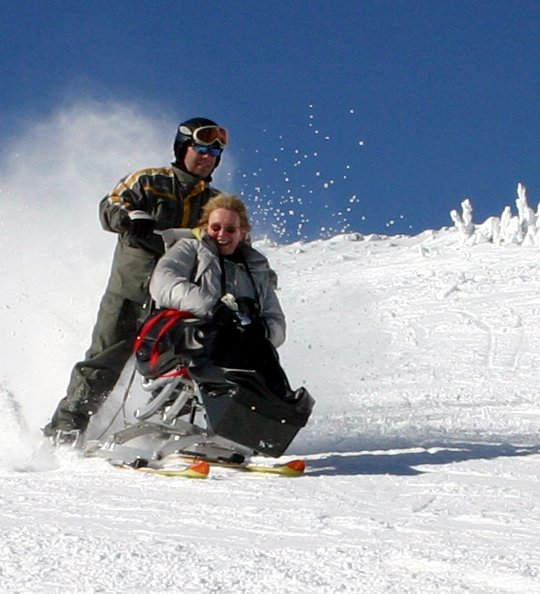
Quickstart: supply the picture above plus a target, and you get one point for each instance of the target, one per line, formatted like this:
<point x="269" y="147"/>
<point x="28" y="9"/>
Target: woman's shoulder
<point x="252" y="255"/>
<point x="184" y="249"/>
<point x="190" y="248"/>
<point x="172" y="236"/>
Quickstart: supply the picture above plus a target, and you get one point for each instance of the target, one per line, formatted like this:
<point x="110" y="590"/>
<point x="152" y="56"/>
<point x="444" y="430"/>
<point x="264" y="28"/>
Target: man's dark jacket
<point x="173" y="197"/>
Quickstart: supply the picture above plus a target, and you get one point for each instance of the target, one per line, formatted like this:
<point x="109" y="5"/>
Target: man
<point x="144" y="201"/>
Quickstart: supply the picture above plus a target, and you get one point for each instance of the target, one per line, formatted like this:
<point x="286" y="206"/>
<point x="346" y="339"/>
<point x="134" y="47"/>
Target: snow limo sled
<point x="200" y="411"/>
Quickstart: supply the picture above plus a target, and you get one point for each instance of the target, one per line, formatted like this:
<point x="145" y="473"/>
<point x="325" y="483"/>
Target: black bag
<point x="245" y="411"/>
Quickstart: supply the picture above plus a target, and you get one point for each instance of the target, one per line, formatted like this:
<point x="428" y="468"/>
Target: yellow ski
<point x="294" y="468"/>
<point x="198" y="470"/>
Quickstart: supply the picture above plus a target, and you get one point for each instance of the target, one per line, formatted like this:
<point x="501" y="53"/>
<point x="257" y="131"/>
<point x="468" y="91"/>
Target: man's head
<point x="198" y="146"/>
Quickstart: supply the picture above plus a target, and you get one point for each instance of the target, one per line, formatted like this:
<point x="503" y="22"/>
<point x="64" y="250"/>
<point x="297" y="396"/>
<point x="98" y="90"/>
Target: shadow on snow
<point x="406" y="462"/>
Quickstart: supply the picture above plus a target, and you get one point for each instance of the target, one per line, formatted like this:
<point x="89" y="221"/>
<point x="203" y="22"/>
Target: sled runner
<point x="198" y="409"/>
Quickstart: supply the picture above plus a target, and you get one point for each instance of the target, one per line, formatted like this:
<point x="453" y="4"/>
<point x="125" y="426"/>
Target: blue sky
<point x="375" y="116"/>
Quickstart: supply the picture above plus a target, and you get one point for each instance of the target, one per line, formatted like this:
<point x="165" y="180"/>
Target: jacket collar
<point x="187" y="179"/>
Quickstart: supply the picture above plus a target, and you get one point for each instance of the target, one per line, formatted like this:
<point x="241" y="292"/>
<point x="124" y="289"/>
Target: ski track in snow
<point x="422" y="451"/>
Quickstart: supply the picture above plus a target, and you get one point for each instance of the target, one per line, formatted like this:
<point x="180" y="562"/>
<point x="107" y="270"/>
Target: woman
<point x="218" y="276"/>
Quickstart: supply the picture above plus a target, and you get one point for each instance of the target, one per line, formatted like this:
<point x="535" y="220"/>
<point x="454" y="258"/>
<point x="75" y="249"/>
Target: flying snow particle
<point x="361" y="142"/>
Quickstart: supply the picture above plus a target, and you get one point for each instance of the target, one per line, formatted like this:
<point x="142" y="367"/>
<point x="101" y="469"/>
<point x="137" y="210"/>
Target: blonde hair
<point x="229" y="202"/>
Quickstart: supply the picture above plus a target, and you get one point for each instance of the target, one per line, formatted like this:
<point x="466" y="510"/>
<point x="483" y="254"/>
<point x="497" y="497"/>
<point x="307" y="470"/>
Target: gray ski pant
<point x="93" y="379"/>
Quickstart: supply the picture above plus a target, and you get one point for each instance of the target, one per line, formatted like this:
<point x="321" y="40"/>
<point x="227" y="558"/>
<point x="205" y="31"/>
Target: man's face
<point x="224" y="228"/>
<point x="200" y="165"/>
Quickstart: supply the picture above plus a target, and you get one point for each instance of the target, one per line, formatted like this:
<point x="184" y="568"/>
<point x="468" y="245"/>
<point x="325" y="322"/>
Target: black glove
<point x="142" y="228"/>
<point x="257" y="330"/>
<point x="249" y="307"/>
<point x="224" y="316"/>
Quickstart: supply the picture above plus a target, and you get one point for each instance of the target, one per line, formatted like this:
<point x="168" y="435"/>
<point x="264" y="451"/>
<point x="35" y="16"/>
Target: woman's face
<point x="224" y="228"/>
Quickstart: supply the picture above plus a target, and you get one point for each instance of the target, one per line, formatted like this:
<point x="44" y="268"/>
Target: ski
<point x="292" y="468"/>
<point x="177" y="465"/>
<point x="198" y="470"/>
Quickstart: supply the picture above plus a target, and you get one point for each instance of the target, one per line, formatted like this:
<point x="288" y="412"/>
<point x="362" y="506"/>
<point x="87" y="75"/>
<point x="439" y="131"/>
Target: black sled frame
<point x="210" y="413"/>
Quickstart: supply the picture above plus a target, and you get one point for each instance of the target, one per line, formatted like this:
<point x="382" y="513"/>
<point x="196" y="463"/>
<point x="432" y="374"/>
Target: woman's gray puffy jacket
<point x="188" y="277"/>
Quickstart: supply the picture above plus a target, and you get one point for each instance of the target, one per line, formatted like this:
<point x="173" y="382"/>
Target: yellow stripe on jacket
<point x="187" y="202"/>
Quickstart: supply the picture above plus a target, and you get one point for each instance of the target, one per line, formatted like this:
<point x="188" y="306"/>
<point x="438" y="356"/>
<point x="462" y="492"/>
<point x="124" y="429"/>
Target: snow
<point x="423" y="355"/>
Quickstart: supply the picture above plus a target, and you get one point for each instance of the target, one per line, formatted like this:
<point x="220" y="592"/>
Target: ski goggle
<point x="203" y="150"/>
<point x="216" y="227"/>
<point x="207" y="135"/>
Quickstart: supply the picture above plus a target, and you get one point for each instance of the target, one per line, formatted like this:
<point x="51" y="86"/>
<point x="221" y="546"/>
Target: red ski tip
<point x="202" y="468"/>
<point x="297" y="465"/>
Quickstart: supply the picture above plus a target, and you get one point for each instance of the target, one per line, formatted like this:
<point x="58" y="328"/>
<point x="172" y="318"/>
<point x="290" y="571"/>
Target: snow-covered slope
<point x="423" y="355"/>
